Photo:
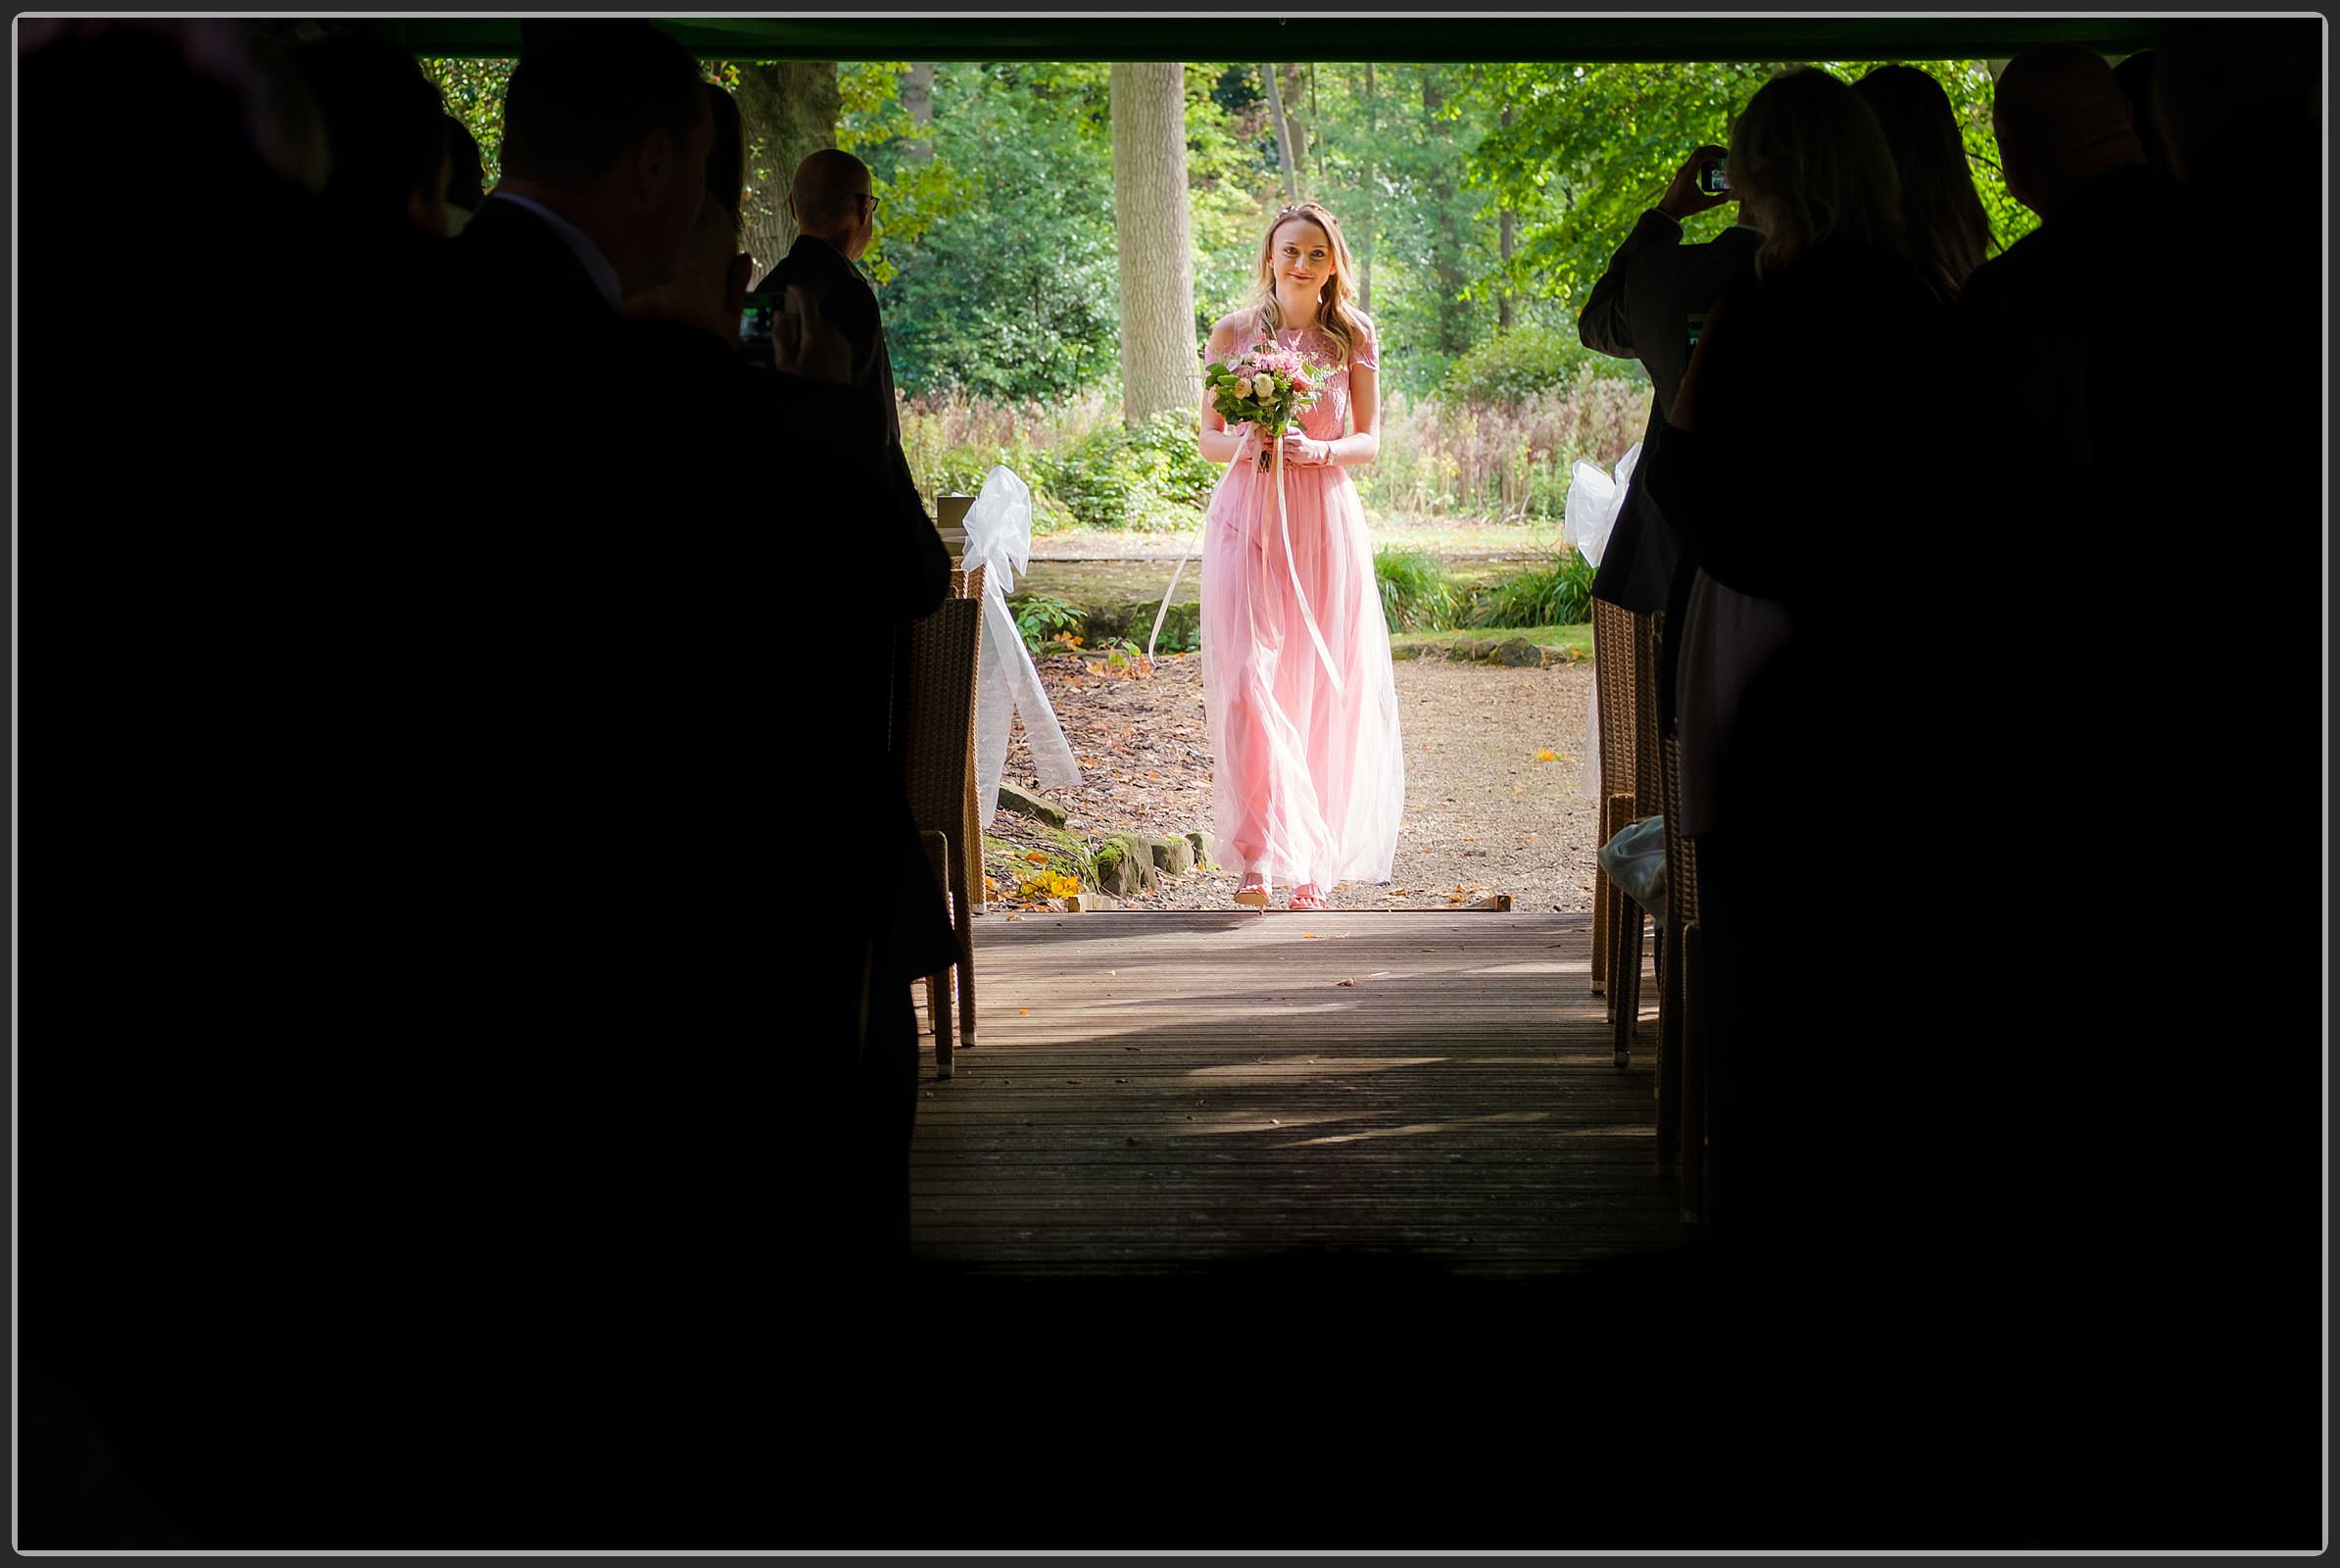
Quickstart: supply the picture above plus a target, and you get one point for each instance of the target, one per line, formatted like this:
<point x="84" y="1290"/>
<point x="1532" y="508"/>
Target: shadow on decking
<point x="1417" y="1093"/>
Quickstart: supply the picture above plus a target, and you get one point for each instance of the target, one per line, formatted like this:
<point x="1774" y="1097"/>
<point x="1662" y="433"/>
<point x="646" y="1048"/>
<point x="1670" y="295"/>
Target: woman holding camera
<point x="1307" y="777"/>
<point x="1805" y="469"/>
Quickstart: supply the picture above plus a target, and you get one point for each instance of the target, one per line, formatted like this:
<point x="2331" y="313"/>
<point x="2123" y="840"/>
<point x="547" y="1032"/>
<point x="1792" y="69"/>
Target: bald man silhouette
<point x="836" y="215"/>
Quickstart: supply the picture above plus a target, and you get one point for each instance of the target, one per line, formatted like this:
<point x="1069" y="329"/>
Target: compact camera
<point x="756" y="328"/>
<point x="1712" y="179"/>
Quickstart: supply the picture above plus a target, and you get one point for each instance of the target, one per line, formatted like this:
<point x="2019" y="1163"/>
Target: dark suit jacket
<point x="495" y="970"/>
<point x="2038" y="313"/>
<point x="850" y="306"/>
<point x="1641" y="310"/>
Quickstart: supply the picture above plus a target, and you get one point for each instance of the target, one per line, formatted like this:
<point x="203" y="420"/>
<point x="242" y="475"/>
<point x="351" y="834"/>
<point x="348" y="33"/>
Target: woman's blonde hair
<point x="1942" y="220"/>
<point x="1340" y="322"/>
<point x="1814" y="158"/>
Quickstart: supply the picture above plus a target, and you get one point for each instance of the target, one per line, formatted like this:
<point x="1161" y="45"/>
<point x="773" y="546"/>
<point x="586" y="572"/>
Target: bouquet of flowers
<point x="1268" y="388"/>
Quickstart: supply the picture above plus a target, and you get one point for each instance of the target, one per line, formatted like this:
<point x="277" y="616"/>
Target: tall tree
<point x="1284" y="154"/>
<point x="1506" y="239"/>
<point x="1373" y="134"/>
<point x="918" y="97"/>
<point x="1447" y="263"/>
<point x="788" y="109"/>
<point x="1158" y="365"/>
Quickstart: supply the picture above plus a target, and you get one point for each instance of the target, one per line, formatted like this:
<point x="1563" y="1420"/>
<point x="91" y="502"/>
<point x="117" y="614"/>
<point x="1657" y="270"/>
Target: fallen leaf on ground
<point x="1547" y="755"/>
<point x="1344" y="982"/>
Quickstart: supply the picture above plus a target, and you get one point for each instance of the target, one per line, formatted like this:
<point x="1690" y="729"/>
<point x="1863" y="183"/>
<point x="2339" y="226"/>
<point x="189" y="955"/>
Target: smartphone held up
<point x="1713" y="179"/>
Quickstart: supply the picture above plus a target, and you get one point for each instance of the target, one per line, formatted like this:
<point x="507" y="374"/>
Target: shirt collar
<point x="589" y="255"/>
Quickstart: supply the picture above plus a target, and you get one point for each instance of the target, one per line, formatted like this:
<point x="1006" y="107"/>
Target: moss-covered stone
<point x="1024" y="803"/>
<point x="1124" y="867"/>
<point x="1176" y="856"/>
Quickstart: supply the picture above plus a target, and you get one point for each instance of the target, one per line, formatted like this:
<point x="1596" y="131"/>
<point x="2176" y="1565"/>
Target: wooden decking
<point x="1163" y="1092"/>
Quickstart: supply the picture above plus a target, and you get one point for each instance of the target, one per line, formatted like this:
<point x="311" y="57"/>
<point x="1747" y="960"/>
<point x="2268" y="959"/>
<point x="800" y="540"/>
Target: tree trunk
<point x="1446" y="239"/>
<point x="1295" y="85"/>
<point x="1373" y="144"/>
<point x="1160" y="369"/>
<point x="1291" y="167"/>
<point x="1504" y="241"/>
<point x="918" y="97"/>
<point x="789" y="112"/>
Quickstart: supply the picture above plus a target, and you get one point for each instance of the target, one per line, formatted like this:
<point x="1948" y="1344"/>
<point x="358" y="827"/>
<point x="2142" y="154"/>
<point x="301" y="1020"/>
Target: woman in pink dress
<point x="1308" y="778"/>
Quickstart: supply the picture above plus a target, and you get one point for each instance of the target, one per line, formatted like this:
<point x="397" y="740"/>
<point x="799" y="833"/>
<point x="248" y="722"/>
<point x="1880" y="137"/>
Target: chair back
<point x="935" y="707"/>
<point x="1646" y="779"/>
<point x="1613" y="684"/>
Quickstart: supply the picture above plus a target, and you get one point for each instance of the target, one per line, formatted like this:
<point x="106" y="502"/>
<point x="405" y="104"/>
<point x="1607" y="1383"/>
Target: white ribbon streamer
<point x="1008" y="684"/>
<point x="1291" y="564"/>
<point x="1297" y="592"/>
<point x="1586" y="518"/>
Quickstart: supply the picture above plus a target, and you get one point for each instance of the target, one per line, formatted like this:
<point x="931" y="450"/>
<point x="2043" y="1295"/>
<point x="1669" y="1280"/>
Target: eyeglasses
<point x="871" y="200"/>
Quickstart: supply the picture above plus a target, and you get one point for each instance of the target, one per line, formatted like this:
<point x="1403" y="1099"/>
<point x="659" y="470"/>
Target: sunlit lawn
<point x="1441" y="536"/>
<point x="1575" y="640"/>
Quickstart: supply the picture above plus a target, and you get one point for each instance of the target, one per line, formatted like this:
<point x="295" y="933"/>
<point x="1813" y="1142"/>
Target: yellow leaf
<point x="1023" y="1012"/>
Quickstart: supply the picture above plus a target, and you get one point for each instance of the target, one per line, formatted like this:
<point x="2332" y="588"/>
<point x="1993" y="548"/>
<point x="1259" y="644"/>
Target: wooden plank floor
<point x="1161" y="1092"/>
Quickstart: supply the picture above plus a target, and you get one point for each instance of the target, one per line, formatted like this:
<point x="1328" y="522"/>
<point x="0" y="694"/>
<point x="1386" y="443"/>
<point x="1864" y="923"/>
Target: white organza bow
<point x="1000" y="540"/>
<point x="1593" y="501"/>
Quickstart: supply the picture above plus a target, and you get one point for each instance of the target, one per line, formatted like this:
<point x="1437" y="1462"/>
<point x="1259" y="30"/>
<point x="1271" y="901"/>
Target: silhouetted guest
<point x="835" y="216"/>
<point x="386" y="127"/>
<point x="1943" y="225"/>
<point x="1797" y="467"/>
<point x="2040" y="311"/>
<point x="2135" y="75"/>
<point x="1641" y="309"/>
<point x="797" y="433"/>
<point x="466" y="177"/>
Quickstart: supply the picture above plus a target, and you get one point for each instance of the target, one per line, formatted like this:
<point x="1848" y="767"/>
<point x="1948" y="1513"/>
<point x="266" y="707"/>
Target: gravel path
<point x="1481" y="815"/>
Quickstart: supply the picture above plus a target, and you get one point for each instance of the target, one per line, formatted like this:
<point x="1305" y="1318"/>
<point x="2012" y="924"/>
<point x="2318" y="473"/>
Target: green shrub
<point x="1557" y="593"/>
<point x="1040" y="616"/>
<point x="1417" y="594"/>
<point x="1513" y="367"/>
<point x="1152" y="476"/>
<point x="1178" y="470"/>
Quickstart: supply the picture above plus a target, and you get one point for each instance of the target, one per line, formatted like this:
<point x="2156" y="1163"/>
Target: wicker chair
<point x="1647" y="796"/>
<point x="1681" y="1004"/>
<point x="1613" y="686"/>
<point x="935" y="739"/>
<point x="969" y="585"/>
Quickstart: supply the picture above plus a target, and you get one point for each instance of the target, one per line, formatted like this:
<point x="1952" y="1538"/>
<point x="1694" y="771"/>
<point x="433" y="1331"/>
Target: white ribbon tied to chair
<point x="1595" y="499"/>
<point x="1007" y="683"/>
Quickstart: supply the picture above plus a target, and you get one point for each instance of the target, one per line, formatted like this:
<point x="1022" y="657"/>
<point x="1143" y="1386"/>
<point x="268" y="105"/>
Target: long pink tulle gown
<point x="1307" y="781"/>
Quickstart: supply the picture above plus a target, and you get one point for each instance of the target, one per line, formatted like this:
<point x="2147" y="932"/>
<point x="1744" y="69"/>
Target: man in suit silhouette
<point x="835" y="216"/>
<point x="2071" y="153"/>
<point x="1641" y="310"/>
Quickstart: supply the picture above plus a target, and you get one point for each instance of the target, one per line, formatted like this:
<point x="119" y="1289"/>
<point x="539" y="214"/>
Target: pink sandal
<point x="1253" y="892"/>
<point x="1307" y="895"/>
